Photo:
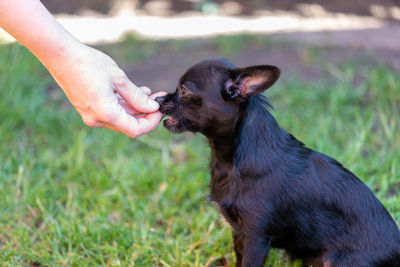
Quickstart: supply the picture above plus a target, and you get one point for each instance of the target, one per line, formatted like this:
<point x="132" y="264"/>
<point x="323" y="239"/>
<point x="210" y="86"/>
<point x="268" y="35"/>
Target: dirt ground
<point x="305" y="61"/>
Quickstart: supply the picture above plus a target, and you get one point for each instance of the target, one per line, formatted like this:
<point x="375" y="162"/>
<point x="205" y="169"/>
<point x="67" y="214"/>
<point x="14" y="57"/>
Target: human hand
<point x="94" y="84"/>
<point x="102" y="93"/>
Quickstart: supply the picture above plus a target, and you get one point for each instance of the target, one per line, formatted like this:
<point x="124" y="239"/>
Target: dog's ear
<point x="245" y="82"/>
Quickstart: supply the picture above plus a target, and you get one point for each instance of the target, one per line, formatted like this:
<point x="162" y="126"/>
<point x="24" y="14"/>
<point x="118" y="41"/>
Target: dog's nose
<point x="160" y="99"/>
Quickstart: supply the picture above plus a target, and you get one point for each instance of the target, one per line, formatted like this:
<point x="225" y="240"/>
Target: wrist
<point x="64" y="51"/>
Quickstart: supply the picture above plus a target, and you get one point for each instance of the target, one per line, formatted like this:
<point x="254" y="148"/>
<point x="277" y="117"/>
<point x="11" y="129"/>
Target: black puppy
<point x="273" y="191"/>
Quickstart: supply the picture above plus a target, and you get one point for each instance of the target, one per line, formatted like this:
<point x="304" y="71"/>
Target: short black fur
<point x="273" y="191"/>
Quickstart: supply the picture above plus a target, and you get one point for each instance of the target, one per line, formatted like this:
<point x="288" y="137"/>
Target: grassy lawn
<point x="77" y="196"/>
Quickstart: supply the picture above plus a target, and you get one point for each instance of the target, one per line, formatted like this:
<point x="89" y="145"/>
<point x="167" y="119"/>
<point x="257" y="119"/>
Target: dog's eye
<point x="184" y="91"/>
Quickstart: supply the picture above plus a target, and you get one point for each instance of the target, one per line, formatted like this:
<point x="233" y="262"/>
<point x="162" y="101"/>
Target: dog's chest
<point x="222" y="182"/>
<point x="231" y="214"/>
<point x="223" y="194"/>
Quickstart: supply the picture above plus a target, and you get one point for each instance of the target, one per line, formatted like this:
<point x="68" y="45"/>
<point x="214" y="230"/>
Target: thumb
<point x="134" y="96"/>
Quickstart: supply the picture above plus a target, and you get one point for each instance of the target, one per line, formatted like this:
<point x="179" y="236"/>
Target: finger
<point x="135" y="97"/>
<point x="139" y="116"/>
<point x="131" y="111"/>
<point x="146" y="90"/>
<point x="135" y="127"/>
<point x="125" y="124"/>
<point x="150" y="121"/>
<point x="126" y="106"/>
<point x="153" y="96"/>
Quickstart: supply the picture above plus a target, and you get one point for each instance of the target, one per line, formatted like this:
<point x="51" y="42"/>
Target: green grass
<point x="77" y="196"/>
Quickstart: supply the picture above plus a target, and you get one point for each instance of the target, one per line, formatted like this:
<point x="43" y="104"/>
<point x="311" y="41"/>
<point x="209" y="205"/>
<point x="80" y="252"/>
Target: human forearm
<point x="31" y="24"/>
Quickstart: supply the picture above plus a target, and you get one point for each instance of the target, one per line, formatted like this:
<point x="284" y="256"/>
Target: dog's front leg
<point x="238" y="239"/>
<point x="255" y="249"/>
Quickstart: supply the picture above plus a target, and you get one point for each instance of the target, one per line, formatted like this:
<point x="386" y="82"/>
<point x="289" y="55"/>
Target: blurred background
<point x="78" y="196"/>
<point x="338" y="29"/>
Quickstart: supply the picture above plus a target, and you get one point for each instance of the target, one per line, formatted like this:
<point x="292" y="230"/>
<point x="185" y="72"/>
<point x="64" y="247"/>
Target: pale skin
<point x="94" y="84"/>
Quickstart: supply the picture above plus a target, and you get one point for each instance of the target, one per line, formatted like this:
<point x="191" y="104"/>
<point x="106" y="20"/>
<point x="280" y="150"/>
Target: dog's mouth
<point x="173" y="124"/>
<point x="171" y="121"/>
<point x="178" y="124"/>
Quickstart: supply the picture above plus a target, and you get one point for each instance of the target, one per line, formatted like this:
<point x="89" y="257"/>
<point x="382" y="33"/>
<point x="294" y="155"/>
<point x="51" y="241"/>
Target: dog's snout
<point x="166" y="103"/>
<point x="160" y="99"/>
